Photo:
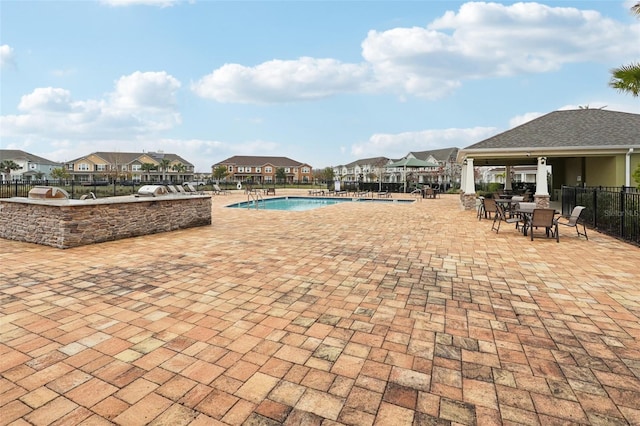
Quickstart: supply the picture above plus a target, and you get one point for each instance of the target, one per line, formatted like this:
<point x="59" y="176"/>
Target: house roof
<point x="257" y="161"/>
<point x="443" y="154"/>
<point x="14" y="154"/>
<point x="373" y="161"/>
<point x="583" y="128"/>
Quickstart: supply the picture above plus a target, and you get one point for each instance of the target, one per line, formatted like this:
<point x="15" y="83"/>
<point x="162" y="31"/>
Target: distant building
<point x="376" y="169"/>
<point x="365" y="170"/>
<point x="31" y="166"/>
<point x="130" y="166"/>
<point x="241" y="168"/>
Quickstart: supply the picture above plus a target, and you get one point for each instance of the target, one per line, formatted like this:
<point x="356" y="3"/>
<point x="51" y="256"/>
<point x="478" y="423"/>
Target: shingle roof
<point x="373" y="161"/>
<point x="572" y="128"/>
<point x="129" y="157"/>
<point x="257" y="161"/>
<point x="443" y="154"/>
<point x="11" y="154"/>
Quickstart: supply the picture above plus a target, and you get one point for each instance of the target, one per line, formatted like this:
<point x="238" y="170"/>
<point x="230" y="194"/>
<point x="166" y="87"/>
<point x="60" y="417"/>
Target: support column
<point x="507" y="178"/>
<point x="468" y="186"/>
<point x="541" y="196"/>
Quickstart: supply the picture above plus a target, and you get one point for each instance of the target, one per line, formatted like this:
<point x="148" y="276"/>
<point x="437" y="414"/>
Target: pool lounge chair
<point x="384" y="194"/>
<point x="218" y="190"/>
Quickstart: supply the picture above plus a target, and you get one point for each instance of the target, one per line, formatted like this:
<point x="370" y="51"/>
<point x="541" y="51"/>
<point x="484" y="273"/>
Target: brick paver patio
<point x="356" y="314"/>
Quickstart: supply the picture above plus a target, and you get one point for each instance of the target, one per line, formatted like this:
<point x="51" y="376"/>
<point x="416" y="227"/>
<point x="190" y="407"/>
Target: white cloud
<point x="142" y="104"/>
<point x="480" y="40"/>
<point x="159" y="3"/>
<point x="399" y="144"/>
<point x="6" y="56"/>
<point x="282" y="81"/>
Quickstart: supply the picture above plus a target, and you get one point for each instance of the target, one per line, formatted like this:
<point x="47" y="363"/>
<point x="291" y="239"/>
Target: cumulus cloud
<point x="398" y="144"/>
<point x="141" y="104"/>
<point x="282" y="81"/>
<point x="480" y="40"/>
<point x="6" y="56"/>
<point x="159" y="3"/>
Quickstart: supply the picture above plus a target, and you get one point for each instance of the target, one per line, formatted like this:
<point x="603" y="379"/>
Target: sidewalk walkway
<point x="354" y="314"/>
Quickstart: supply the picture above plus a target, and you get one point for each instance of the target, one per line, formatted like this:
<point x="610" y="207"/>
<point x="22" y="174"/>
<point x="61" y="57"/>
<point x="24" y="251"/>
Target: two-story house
<point x="263" y="170"/>
<point x="363" y="170"/>
<point x="30" y="167"/>
<point x="130" y="166"/>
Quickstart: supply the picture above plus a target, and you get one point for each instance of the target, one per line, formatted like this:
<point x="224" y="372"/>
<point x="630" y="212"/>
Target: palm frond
<point x="626" y="79"/>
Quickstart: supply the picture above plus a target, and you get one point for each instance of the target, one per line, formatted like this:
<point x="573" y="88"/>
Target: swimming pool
<point x="307" y="203"/>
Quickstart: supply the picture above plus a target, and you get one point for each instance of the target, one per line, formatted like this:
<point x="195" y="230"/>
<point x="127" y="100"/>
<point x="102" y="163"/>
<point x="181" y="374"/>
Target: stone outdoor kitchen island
<point x="66" y="223"/>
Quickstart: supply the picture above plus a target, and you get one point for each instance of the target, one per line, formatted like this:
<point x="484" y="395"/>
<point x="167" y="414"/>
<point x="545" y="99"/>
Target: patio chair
<point x="544" y="218"/>
<point x="501" y="216"/>
<point x="574" y="220"/>
<point x="490" y="207"/>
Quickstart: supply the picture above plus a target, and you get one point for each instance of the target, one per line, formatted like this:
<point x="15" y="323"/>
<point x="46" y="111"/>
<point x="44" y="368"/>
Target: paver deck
<point x="355" y="314"/>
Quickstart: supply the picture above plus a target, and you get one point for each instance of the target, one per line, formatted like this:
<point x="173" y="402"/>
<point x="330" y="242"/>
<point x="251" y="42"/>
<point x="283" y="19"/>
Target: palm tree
<point x="6" y="166"/>
<point x="179" y="168"/>
<point x="148" y="167"/>
<point x="164" y="164"/>
<point x="627" y="77"/>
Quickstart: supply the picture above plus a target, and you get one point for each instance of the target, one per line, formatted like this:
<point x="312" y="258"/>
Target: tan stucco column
<point x="541" y="196"/>
<point x="468" y="198"/>
<point x="507" y="178"/>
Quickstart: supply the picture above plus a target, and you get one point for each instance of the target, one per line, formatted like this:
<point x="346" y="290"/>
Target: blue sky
<point x="321" y="82"/>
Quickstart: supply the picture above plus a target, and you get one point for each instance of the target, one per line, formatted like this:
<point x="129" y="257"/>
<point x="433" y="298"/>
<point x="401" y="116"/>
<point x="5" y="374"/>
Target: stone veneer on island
<point x="65" y="223"/>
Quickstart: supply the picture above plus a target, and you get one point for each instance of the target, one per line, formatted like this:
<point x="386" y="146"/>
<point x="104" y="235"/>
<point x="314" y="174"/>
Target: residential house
<point x="130" y="166"/>
<point x="32" y="167"/>
<point x="263" y="169"/>
<point x="448" y="172"/>
<point x="364" y="170"/>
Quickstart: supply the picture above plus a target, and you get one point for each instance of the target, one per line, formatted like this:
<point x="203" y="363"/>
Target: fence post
<point x="622" y="213"/>
<point x="595" y="208"/>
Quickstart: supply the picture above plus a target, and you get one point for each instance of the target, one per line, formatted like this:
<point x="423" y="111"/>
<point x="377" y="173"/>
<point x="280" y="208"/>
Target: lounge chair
<point x="218" y="190"/>
<point x="172" y="189"/>
<point x="501" y="216"/>
<point x="573" y="221"/>
<point x="190" y="189"/>
<point x="384" y="194"/>
<point x="180" y="190"/>
<point x="544" y="218"/>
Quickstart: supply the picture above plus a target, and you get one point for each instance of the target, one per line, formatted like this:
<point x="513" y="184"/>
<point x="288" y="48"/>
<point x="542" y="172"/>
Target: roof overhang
<point x="526" y="155"/>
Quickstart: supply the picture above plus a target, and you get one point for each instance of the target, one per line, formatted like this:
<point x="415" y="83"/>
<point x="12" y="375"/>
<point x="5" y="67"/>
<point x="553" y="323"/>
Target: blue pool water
<point x="307" y="203"/>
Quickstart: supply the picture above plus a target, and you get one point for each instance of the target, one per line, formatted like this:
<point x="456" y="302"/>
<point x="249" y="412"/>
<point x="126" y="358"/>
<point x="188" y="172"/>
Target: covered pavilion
<point x="584" y="147"/>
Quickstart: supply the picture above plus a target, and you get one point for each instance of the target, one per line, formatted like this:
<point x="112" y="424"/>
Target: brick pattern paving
<point x="354" y="314"/>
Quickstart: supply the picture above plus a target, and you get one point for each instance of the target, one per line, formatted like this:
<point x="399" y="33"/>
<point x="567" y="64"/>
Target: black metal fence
<point x="612" y="210"/>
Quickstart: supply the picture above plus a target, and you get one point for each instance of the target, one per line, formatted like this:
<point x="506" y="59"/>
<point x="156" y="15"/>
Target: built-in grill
<point x="152" y="190"/>
<point x="47" y="192"/>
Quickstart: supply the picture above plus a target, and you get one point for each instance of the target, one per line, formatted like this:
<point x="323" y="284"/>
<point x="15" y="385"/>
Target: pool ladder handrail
<point x="255" y="197"/>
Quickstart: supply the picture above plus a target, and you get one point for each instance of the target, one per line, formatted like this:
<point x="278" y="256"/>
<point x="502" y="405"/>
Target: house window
<point x="247" y="169"/>
<point x="258" y="169"/>
<point x="136" y="167"/>
<point x="305" y="170"/>
<point x="268" y="170"/>
<point x="287" y="169"/>
<point x="268" y="179"/>
<point x="101" y="167"/>
<point x="230" y="168"/>
<point x="124" y="167"/>
<point x="83" y="167"/>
